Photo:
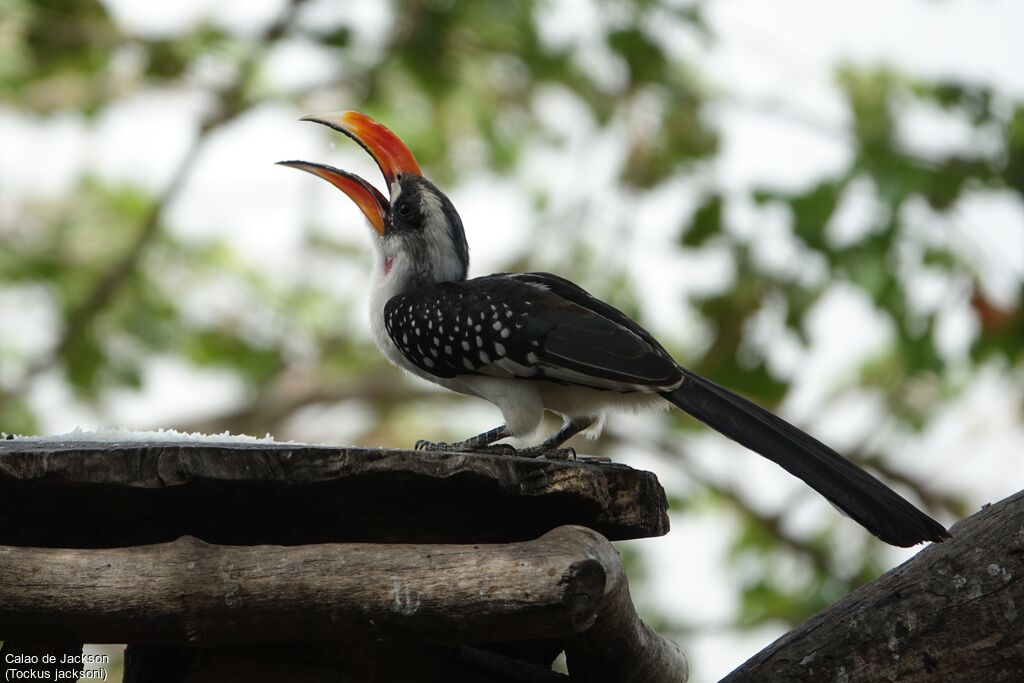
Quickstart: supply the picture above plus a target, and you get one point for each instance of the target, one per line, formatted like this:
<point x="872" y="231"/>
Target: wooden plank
<point x="93" y="495"/>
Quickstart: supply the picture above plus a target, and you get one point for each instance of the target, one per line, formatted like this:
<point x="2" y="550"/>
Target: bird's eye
<point x="404" y="209"/>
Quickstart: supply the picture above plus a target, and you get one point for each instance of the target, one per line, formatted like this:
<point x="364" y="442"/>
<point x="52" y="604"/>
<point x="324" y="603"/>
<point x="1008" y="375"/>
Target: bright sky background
<point x="774" y="57"/>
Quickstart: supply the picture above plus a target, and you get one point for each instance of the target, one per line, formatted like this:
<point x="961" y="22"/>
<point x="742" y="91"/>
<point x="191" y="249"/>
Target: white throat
<point x="391" y="276"/>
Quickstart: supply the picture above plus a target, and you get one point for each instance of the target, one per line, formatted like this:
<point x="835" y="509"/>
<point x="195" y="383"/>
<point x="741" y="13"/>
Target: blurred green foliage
<point x="452" y="71"/>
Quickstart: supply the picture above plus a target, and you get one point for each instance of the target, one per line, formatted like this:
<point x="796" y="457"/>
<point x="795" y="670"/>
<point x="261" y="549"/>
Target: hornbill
<point x="530" y="342"/>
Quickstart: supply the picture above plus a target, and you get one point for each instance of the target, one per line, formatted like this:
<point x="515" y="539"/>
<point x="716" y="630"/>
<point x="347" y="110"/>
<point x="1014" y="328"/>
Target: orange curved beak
<point x="368" y="198"/>
<point x="390" y="153"/>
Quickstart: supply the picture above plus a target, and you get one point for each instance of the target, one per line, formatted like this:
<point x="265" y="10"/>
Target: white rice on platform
<point x="121" y="435"/>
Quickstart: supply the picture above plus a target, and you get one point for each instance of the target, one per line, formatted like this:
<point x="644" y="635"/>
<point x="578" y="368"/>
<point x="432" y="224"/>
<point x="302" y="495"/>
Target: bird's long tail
<point x="864" y="498"/>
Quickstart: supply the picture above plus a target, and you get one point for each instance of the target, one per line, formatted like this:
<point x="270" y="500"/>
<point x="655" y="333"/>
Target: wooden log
<point x="620" y="647"/>
<point x="94" y="495"/>
<point x="954" y="612"/>
<point x="557" y="586"/>
<point x="188" y="591"/>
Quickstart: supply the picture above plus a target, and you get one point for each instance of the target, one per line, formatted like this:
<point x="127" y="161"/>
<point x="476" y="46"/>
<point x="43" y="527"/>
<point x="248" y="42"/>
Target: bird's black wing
<point x="570" y="291"/>
<point x="526" y="326"/>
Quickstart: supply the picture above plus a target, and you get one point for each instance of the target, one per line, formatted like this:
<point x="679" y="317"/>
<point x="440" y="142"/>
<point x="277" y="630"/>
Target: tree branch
<point x="949" y="613"/>
<point x="229" y="103"/>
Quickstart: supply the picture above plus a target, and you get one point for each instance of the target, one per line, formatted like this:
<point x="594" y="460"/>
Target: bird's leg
<point x="481" y="443"/>
<point x="549" y="447"/>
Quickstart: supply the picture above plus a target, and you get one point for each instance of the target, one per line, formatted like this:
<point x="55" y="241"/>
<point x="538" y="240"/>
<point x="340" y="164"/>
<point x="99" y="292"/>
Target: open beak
<point x="368" y="198"/>
<point x="390" y="153"/>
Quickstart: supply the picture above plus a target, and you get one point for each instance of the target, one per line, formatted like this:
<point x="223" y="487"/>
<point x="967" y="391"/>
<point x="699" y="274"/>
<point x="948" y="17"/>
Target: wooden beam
<point x="92" y="495"/>
<point x="620" y="647"/>
<point x="568" y="583"/>
<point x="188" y="591"/>
<point x="954" y="612"/>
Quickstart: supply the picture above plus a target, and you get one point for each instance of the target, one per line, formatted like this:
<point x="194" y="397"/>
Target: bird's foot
<point x="464" y="447"/>
<point x="539" y="451"/>
<point x="495" y="448"/>
<point x="594" y="458"/>
<point x="424" y="445"/>
<point x="548" y="453"/>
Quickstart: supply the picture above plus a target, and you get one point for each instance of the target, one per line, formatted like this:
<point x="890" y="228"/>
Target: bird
<point x="535" y="342"/>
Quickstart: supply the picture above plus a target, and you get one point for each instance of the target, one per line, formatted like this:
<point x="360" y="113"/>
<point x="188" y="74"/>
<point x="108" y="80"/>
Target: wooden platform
<point x="95" y="495"/>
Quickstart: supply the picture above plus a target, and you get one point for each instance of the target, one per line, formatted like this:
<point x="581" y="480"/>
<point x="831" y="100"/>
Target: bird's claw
<point x="548" y="453"/>
<point x="497" y="449"/>
<point x="507" y="449"/>
<point x="462" y="447"/>
<point x="424" y="445"/>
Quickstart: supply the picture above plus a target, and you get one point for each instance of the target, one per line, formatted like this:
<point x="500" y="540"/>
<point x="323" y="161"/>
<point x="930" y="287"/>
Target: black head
<point x="423" y="221"/>
<point x="417" y="224"/>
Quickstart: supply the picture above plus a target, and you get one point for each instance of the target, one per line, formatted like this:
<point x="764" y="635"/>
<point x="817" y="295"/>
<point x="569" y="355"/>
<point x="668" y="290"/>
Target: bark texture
<point x="95" y="495"/>
<point x="954" y="612"/>
<point x="567" y="584"/>
<point x="188" y="591"/>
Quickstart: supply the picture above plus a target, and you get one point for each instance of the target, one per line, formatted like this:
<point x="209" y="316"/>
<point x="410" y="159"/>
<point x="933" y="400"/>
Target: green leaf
<point x="643" y="57"/>
<point x="812" y="211"/>
<point x="85" y="361"/>
<point x="705" y="223"/>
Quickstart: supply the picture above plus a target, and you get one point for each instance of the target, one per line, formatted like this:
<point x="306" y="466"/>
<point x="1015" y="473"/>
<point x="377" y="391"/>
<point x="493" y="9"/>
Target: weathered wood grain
<point x="568" y="584"/>
<point x="188" y="591"/>
<point x="91" y="495"/>
<point x="954" y="612"/>
<point x="620" y="647"/>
